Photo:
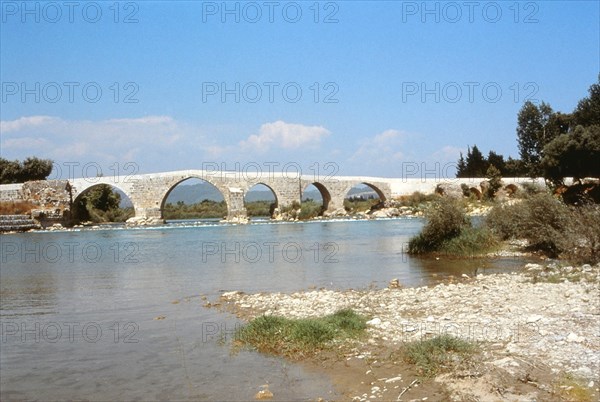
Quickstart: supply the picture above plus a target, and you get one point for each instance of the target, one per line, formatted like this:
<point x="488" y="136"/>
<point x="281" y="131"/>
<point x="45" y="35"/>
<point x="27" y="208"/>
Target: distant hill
<point x="195" y="193"/>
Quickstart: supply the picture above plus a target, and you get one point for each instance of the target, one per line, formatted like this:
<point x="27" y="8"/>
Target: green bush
<point x="584" y="236"/>
<point x="506" y="221"/>
<point x="201" y="210"/>
<point x="260" y="208"/>
<point x="550" y="226"/>
<point x="445" y="220"/>
<point x="471" y="241"/>
<point x="353" y="205"/>
<point x="541" y="219"/>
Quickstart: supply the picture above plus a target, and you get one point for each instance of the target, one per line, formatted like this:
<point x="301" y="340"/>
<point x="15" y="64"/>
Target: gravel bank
<point x="544" y="312"/>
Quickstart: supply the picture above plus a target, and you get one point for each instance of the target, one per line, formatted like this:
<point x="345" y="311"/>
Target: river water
<point x="118" y="314"/>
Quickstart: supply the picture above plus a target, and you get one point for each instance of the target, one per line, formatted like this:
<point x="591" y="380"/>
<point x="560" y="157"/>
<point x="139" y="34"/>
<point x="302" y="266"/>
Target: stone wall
<point x="52" y="199"/>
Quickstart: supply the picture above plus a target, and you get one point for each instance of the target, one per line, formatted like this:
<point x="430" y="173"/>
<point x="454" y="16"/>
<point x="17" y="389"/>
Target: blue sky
<point x="384" y="84"/>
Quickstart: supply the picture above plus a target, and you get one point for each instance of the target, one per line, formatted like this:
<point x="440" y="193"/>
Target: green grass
<point x="570" y="388"/>
<point x="471" y="241"/>
<point x="299" y="338"/>
<point x="310" y="209"/>
<point x="431" y="356"/>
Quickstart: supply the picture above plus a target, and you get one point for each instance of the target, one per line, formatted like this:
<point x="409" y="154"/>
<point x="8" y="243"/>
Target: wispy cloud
<point x="103" y="140"/>
<point x="385" y="147"/>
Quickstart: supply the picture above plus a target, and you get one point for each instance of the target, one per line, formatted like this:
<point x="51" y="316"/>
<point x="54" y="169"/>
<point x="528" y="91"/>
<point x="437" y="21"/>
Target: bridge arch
<point x="325" y="194"/>
<point x="172" y="185"/>
<point x="79" y="186"/>
<point x="357" y="202"/>
<point x="80" y="212"/>
<point x="377" y="190"/>
<point x="273" y="204"/>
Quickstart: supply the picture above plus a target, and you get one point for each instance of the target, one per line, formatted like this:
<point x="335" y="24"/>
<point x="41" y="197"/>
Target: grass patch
<point x="300" y="338"/>
<point x="16" y="207"/>
<point x="434" y="355"/>
<point x="571" y="389"/>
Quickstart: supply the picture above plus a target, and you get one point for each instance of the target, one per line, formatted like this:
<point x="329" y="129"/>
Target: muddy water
<point x="118" y="314"/>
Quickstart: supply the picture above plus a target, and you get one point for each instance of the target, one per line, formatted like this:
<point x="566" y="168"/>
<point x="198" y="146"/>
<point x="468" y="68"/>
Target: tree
<point x="576" y="155"/>
<point x="97" y="204"/>
<point x="10" y="171"/>
<point x="36" y="169"/>
<point x="513" y="168"/>
<point x="536" y="127"/>
<point x="103" y="198"/>
<point x="587" y="112"/>
<point x="476" y="163"/>
<point x="495" y="180"/>
<point x="31" y="169"/>
<point x="461" y="168"/>
<point x="497" y="160"/>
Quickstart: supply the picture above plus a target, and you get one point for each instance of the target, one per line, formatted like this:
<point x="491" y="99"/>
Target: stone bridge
<point x="148" y="192"/>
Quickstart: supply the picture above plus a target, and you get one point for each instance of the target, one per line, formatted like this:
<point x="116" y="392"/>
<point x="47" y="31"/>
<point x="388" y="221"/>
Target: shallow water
<point x="117" y="314"/>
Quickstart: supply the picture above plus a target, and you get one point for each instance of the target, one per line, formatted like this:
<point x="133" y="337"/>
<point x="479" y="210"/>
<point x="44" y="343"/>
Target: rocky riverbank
<point x="546" y="317"/>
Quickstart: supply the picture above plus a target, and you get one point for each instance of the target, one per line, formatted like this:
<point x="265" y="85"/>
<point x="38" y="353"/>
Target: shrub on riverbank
<point x="448" y="231"/>
<point x="299" y="338"/>
<point x="445" y="220"/>
<point x="550" y="226"/>
<point x="471" y="241"/>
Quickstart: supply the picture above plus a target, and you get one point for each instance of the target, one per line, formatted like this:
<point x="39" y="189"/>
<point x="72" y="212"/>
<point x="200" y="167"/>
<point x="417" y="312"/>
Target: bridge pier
<point x="234" y="198"/>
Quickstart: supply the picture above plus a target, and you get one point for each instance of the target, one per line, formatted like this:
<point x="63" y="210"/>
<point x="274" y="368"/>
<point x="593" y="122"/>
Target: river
<point x="119" y="314"/>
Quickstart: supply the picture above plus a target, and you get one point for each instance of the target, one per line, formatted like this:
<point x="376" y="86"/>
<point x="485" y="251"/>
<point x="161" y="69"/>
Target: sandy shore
<point x="544" y="320"/>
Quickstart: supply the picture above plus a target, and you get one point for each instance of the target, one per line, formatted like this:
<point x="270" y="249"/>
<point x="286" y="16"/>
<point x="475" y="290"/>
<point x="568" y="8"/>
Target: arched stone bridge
<point x="148" y="192"/>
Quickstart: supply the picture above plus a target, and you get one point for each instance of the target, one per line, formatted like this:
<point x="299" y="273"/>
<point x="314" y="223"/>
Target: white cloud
<point x="280" y="134"/>
<point x="103" y="141"/>
<point x="7" y="126"/>
<point x="447" y="153"/>
<point x="385" y="147"/>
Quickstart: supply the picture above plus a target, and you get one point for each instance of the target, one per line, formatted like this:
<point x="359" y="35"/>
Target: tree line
<point x="552" y="144"/>
<point x="31" y="168"/>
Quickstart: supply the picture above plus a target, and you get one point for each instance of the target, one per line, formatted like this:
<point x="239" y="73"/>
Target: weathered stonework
<point x="52" y="199"/>
<point x="148" y="192"/>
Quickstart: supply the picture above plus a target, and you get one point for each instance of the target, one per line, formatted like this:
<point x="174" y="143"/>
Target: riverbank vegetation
<point x="553" y="144"/>
<point x="449" y="231"/>
<point x="547" y="225"/>
<point x="207" y="209"/>
<point x="300" y="338"/>
<point x="440" y="353"/>
<point x="551" y="227"/>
